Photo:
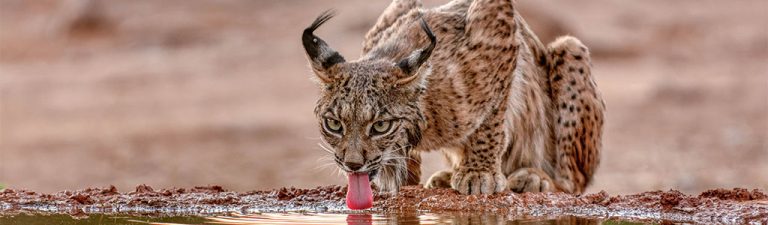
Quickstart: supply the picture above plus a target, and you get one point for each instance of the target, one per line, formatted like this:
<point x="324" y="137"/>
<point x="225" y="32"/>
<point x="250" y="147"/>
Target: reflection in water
<point x="398" y="218"/>
<point x="301" y="218"/>
<point x="310" y="218"/>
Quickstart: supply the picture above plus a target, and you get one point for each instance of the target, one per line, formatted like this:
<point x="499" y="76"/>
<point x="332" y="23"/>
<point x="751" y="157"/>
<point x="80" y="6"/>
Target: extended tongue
<point x="359" y="193"/>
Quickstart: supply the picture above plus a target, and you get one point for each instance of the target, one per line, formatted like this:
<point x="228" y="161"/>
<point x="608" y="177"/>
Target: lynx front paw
<point x="478" y="182"/>
<point x="530" y="180"/>
<point x="441" y="179"/>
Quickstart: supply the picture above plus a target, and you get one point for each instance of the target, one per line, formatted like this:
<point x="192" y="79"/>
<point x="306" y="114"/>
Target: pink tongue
<point x="359" y="194"/>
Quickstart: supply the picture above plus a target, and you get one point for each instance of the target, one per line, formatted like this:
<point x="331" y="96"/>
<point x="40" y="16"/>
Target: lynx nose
<point x="353" y="166"/>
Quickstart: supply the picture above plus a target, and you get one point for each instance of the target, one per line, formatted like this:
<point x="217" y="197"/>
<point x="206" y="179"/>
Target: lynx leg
<point x="530" y="180"/>
<point x="414" y="168"/>
<point x="579" y="117"/>
<point x="394" y="11"/>
<point x="490" y="27"/>
<point x="440" y="179"/>
<point x="479" y="172"/>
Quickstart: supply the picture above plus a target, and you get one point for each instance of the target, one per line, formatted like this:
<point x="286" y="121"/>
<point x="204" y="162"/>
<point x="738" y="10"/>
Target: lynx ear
<point x="411" y="64"/>
<point x="321" y="56"/>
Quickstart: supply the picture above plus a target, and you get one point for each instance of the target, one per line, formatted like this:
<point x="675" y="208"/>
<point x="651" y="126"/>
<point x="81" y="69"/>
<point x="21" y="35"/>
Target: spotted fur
<point x="468" y="78"/>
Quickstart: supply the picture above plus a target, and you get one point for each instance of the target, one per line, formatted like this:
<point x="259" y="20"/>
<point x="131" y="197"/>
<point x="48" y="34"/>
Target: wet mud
<point x="737" y="205"/>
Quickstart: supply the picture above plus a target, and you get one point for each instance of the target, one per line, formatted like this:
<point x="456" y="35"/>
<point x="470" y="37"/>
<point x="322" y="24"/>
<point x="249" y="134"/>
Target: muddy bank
<point x="712" y="206"/>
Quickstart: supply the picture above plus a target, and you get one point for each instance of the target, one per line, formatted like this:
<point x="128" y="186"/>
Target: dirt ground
<point x="721" y="206"/>
<point x="191" y="92"/>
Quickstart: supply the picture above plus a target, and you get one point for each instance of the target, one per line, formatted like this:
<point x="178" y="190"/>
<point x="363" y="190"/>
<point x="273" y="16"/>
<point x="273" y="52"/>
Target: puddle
<point x="414" y="205"/>
<point x="302" y="218"/>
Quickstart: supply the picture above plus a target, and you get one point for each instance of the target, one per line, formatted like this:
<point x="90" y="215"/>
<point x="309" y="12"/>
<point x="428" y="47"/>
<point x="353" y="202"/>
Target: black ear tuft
<point x="432" y="39"/>
<point x="417" y="58"/>
<point x="411" y="64"/>
<point x="321" y="55"/>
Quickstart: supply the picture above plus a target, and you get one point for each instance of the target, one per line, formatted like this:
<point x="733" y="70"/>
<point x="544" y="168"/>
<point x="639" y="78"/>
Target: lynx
<point x="470" y="79"/>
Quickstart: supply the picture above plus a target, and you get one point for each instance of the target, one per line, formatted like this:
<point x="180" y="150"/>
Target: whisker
<point x="313" y="138"/>
<point x="399" y="157"/>
<point x="326" y="165"/>
<point x="339" y="172"/>
<point x="402" y="147"/>
<point x="324" y="148"/>
<point x="397" y="166"/>
<point x="388" y="152"/>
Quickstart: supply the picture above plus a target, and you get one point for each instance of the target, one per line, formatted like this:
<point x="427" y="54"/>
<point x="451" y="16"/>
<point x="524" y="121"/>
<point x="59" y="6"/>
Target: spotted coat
<point x="470" y="79"/>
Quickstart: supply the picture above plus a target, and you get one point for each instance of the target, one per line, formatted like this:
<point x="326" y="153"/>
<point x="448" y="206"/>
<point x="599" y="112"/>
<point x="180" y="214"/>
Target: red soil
<point x="718" y="205"/>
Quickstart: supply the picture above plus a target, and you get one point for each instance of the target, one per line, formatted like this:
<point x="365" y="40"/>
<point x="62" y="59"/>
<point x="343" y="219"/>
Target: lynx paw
<point x="530" y="180"/>
<point x="478" y="182"/>
<point x="440" y="179"/>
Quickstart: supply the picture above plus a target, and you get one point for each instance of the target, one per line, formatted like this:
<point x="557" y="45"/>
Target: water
<point x="302" y="218"/>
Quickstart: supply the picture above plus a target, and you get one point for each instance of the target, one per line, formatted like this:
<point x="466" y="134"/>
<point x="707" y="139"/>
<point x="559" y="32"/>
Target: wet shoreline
<point x="714" y="206"/>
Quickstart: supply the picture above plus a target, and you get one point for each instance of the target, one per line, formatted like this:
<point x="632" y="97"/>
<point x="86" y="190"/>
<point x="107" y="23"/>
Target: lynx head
<point x="369" y="111"/>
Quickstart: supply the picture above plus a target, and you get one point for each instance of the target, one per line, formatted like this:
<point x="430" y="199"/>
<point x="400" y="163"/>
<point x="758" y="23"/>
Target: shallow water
<point x="301" y="218"/>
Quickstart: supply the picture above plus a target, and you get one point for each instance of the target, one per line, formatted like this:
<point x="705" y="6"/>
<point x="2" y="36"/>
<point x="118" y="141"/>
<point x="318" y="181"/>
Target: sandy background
<point x="192" y="92"/>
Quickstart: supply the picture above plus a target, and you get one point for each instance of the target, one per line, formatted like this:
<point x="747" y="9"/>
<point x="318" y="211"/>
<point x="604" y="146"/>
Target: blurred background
<point x="193" y="92"/>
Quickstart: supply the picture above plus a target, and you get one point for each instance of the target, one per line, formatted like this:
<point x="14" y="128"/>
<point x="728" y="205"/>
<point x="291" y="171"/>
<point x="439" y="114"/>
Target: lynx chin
<point x="471" y="80"/>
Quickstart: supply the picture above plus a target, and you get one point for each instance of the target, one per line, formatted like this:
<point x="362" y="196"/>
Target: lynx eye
<point x="381" y="127"/>
<point x="333" y="125"/>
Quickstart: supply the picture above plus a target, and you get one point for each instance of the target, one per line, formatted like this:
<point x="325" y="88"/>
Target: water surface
<point x="303" y="218"/>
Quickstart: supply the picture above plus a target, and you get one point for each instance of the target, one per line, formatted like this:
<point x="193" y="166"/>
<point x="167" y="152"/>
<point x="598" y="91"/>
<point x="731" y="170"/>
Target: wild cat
<point x="470" y="79"/>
